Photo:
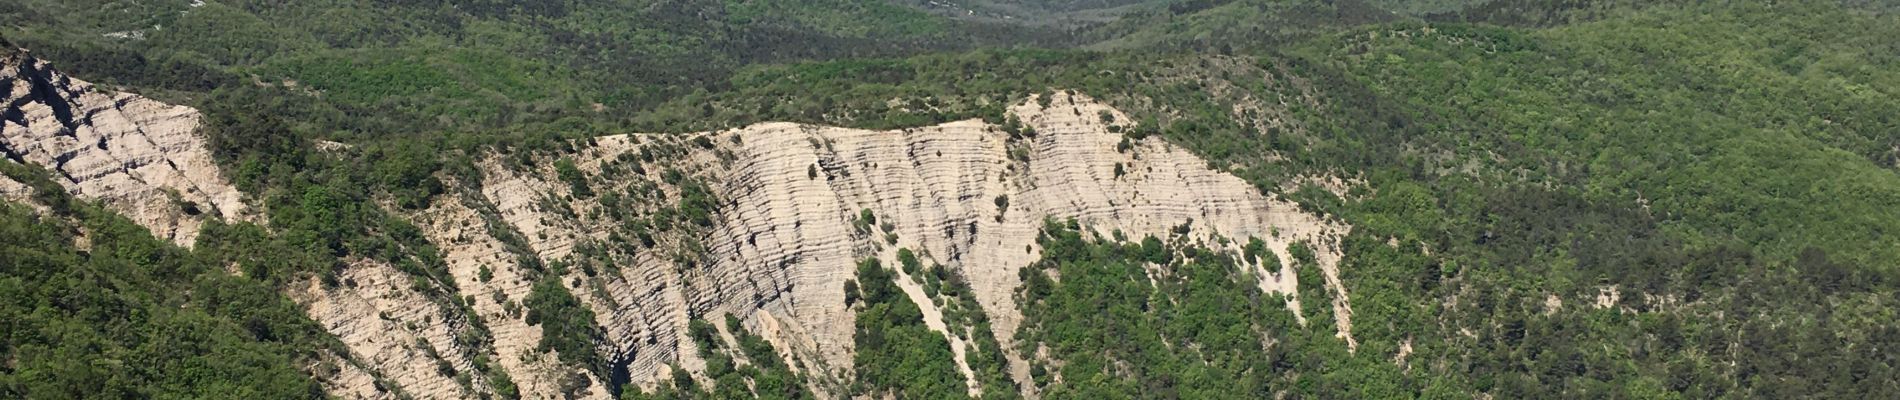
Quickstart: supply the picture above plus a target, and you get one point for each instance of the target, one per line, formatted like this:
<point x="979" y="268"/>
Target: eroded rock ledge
<point x="780" y="236"/>
<point x="783" y="241"/>
<point x="140" y="157"/>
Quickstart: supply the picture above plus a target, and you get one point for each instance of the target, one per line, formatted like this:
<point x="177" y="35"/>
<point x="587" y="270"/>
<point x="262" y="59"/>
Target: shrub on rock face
<point x="908" y="260"/>
<point x="567" y="325"/>
<point x="576" y="180"/>
<point x="896" y="353"/>
<point x="865" y="221"/>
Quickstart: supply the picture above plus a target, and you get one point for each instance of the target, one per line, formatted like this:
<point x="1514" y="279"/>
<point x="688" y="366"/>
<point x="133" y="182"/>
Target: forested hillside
<point x="128" y="315"/>
<point x="472" y="65"/>
<point x="1541" y="198"/>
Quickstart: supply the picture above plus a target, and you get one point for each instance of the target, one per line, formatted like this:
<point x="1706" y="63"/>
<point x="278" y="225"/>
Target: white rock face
<point x="145" y="160"/>
<point x="776" y="252"/>
<point x="14" y="191"/>
<point x="468" y="248"/>
<point x="140" y="157"/>
<point x="784" y="243"/>
<point x="351" y="381"/>
<point x="393" y="329"/>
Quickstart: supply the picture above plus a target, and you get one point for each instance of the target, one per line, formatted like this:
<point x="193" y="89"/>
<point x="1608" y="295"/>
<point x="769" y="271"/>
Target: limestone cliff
<point x="650" y="231"/>
<point x="146" y="160"/>
<point x="782" y="240"/>
<point x="138" y="156"/>
<point x="395" y="330"/>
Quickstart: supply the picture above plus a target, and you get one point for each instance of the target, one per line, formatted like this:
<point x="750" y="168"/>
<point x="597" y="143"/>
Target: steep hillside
<point x="140" y="157"/>
<point x="149" y="162"/>
<point x="729" y="199"/>
<point x="767" y="222"/>
<point x="95" y="303"/>
<point x="648" y="233"/>
<point x="475" y="65"/>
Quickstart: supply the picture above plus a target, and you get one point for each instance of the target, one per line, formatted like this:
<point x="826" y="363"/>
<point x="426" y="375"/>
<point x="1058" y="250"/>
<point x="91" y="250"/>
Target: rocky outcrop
<point x="485" y="269"/>
<point x="147" y="161"/>
<point x="138" y="156"/>
<point x="966" y="195"/>
<point x="14" y="191"/>
<point x="764" y="222"/>
<point x="346" y="380"/>
<point x="394" y="329"/>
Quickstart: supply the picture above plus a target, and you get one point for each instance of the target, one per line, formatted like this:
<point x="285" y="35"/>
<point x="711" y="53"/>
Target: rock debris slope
<point x="138" y="156"/>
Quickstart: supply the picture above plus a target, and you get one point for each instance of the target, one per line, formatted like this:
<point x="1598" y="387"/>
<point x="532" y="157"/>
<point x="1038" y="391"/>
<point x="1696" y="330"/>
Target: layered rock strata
<point x="138" y="156"/>
<point x="966" y="195"/>
<point x="765" y="222"/>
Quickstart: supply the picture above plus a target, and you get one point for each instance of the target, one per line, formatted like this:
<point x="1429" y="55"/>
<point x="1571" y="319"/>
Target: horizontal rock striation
<point x="785" y="237"/>
<point x="138" y="156"/>
<point x="392" y="328"/>
<point x="765" y="222"/>
<point x="146" y="160"/>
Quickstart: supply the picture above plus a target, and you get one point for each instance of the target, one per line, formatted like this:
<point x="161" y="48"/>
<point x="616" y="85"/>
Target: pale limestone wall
<point x="784" y="242"/>
<point x="386" y="324"/>
<point x="127" y="151"/>
<point x="778" y="254"/>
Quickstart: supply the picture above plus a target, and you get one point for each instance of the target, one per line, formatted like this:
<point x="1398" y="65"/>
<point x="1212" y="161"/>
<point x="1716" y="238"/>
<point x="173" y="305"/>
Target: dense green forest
<point x="1190" y="329"/>
<point x="1731" y="169"/>
<point x="133" y="316"/>
<point x="471" y="65"/>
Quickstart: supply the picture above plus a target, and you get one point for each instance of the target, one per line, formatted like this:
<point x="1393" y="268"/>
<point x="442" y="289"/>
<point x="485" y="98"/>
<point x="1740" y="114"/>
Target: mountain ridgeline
<point x="683" y="199"/>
